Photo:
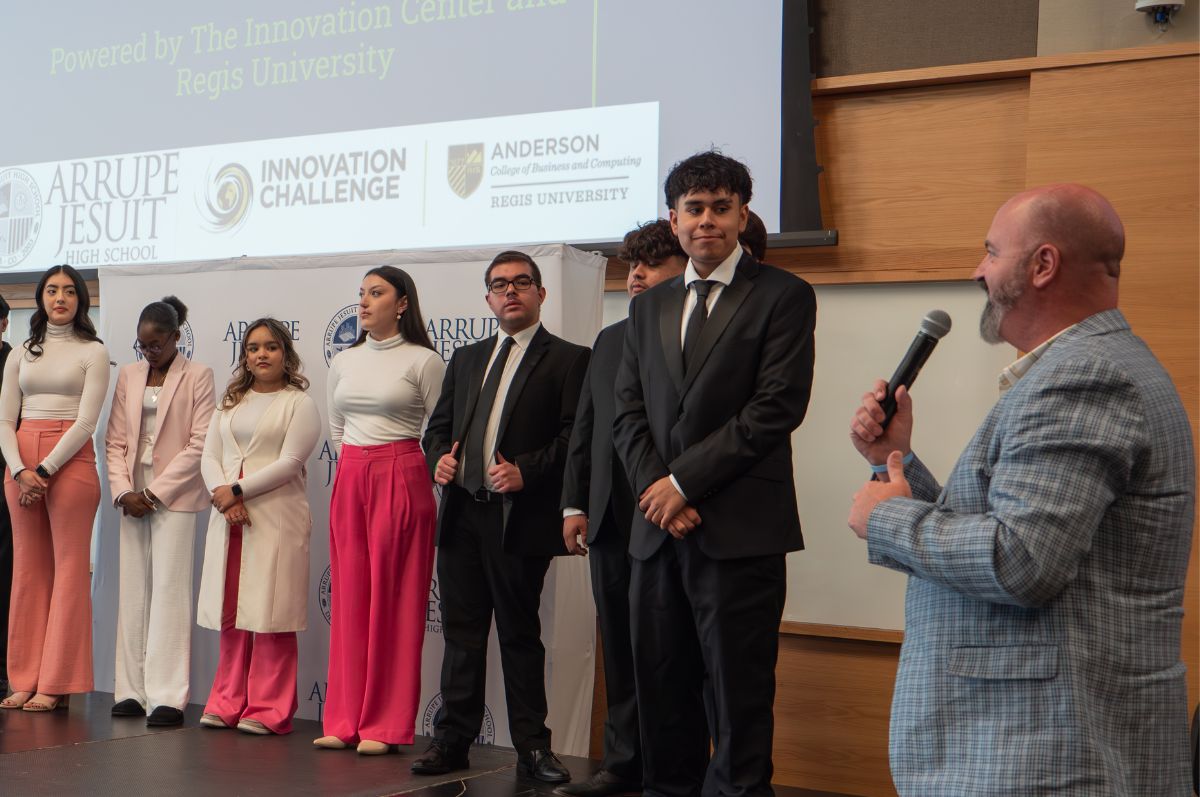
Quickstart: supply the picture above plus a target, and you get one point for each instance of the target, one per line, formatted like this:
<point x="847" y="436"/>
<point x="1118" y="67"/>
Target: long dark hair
<point x="412" y="323"/>
<point x="84" y="329"/>
<point x="243" y="379"/>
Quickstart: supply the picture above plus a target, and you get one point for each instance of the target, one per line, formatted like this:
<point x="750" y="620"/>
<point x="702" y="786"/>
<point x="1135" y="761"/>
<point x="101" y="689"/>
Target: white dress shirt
<point x="520" y="345"/>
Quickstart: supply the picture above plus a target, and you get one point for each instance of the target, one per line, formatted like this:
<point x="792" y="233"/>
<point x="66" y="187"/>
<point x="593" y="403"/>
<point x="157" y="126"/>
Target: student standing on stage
<point x="254" y="586"/>
<point x="714" y="378"/>
<point x="56" y="387"/>
<point x="598" y="508"/>
<point x="496" y="442"/>
<point x="160" y="413"/>
<point x="381" y="518"/>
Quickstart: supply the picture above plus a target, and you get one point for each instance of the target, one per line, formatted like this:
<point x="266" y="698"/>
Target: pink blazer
<point x="185" y="406"/>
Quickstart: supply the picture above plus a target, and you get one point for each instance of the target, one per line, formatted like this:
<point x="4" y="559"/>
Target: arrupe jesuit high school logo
<point x="341" y="332"/>
<point x="464" y="168"/>
<point x="325" y="593"/>
<point x="20" y="215"/>
<point x="228" y="198"/>
<point x="435" y="709"/>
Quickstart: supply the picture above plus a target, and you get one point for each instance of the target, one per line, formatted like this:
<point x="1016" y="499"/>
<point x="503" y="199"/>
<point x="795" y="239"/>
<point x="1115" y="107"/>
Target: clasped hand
<point x="136" y="504"/>
<point x="33" y="487"/>
<point x="666" y="508"/>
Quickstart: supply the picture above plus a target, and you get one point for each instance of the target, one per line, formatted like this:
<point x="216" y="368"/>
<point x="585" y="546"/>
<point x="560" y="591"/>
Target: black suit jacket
<point x="723" y="429"/>
<point x="535" y="425"/>
<point x="590" y="480"/>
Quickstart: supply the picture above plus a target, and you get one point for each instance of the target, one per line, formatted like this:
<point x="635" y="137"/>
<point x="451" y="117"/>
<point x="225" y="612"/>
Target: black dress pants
<point x="706" y="624"/>
<point x="477" y="578"/>
<point x="608" y="559"/>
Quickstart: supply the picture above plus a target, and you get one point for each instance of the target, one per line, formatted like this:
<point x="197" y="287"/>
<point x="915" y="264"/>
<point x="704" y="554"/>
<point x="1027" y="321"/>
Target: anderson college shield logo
<point x="464" y="168"/>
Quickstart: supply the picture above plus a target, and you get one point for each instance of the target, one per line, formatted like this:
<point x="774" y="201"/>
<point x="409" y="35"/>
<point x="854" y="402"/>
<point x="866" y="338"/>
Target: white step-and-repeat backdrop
<point x="316" y="297"/>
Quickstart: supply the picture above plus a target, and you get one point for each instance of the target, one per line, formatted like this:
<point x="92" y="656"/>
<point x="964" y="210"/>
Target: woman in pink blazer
<point x="160" y="414"/>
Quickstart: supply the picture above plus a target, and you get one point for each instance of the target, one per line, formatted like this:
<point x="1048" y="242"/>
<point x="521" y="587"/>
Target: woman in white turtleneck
<point x="381" y="518"/>
<point x="55" y="386"/>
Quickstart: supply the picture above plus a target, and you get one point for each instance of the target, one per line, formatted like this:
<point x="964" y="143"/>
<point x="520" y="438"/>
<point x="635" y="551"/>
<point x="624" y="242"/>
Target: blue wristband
<point x="908" y="458"/>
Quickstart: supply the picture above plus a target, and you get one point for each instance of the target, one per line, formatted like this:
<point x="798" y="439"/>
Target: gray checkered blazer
<point x="1043" y="614"/>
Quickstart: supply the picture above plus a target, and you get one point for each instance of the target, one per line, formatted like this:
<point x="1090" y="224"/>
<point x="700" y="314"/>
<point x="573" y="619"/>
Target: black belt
<point x="485" y="496"/>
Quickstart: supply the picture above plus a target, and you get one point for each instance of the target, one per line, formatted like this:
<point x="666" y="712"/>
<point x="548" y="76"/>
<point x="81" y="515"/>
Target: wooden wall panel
<point x="912" y="178"/>
<point x="832" y="704"/>
<point x="1132" y="132"/>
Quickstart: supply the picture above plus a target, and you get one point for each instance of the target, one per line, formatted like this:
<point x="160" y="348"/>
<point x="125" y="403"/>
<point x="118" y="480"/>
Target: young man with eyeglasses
<point x="497" y="443"/>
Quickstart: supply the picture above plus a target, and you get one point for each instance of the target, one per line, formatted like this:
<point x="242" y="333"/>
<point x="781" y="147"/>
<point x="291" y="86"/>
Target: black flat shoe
<point x="542" y="765"/>
<point x="165" y="715"/>
<point x="128" y="708"/>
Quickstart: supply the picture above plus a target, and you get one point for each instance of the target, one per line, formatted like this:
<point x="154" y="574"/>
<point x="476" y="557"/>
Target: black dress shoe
<point x="128" y="708"/>
<point x="601" y="784"/>
<point x="542" y="765"/>
<point x="440" y="758"/>
<point x="165" y="715"/>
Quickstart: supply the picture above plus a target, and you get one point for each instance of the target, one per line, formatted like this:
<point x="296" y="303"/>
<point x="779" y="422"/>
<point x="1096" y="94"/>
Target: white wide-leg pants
<point x="154" y="616"/>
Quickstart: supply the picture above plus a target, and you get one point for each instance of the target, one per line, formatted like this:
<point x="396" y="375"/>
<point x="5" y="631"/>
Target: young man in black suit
<point x="496" y="442"/>
<point x="598" y="507"/>
<point x="714" y="378"/>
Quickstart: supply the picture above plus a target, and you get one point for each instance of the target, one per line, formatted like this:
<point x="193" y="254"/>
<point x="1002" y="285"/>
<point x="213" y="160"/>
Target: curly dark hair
<point x="243" y="379"/>
<point x="708" y="171"/>
<point x="652" y="243"/>
<point x="84" y="329"/>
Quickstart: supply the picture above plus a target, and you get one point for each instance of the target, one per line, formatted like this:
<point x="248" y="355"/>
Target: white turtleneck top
<point x="67" y="382"/>
<point x="382" y="391"/>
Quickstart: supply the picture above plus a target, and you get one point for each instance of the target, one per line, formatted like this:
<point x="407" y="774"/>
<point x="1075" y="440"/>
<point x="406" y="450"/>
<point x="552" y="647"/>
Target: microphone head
<point x="936" y="324"/>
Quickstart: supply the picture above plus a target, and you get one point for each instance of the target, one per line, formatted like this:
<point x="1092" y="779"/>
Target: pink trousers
<point x="50" y="616"/>
<point x="256" y="673"/>
<point x="381" y="523"/>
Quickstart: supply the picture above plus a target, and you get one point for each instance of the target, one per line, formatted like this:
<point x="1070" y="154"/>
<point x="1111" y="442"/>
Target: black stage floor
<point x="86" y="751"/>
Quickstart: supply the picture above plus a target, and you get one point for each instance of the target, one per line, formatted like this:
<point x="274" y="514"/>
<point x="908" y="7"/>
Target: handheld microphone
<point x="934" y="326"/>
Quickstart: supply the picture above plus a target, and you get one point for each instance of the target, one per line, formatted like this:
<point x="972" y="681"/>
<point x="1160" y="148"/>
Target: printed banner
<point x="581" y="175"/>
<point x="315" y="297"/>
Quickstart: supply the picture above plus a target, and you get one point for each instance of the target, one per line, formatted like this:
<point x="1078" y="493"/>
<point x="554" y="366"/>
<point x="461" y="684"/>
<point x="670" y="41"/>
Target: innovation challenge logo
<point x="227" y="199"/>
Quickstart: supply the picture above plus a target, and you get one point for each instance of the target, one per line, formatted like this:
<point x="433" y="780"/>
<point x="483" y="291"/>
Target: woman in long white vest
<point x="254" y="585"/>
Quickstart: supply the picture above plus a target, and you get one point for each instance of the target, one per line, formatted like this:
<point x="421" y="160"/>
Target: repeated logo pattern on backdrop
<point x="314" y="305"/>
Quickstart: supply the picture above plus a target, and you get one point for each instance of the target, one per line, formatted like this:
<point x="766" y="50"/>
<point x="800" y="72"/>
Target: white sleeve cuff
<point x="679" y="489"/>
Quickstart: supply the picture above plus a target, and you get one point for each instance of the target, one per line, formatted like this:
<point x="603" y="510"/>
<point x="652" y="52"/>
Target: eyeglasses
<point x="500" y="285"/>
<point x="153" y="348"/>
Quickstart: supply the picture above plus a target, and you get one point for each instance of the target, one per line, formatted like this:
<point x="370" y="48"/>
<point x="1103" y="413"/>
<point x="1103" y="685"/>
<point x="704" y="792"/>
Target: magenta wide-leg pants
<point x="381" y="525"/>
<point x="256" y="673"/>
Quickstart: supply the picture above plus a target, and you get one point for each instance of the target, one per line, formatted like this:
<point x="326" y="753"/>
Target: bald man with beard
<point x="1044" y="608"/>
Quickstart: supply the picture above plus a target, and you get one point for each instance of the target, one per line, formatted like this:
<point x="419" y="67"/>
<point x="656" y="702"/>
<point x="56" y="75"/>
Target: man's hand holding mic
<point x="881" y="442"/>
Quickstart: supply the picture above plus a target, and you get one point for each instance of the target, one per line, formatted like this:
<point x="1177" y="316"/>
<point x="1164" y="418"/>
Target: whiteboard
<point x="862" y="333"/>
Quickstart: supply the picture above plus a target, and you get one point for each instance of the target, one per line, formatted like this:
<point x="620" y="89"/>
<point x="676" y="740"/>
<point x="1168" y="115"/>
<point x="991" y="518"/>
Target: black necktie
<point x="473" y="446"/>
<point x="696" y="321"/>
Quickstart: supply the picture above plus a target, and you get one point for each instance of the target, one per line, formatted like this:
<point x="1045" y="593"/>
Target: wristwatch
<point x="236" y="489"/>
<point x="41" y="471"/>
